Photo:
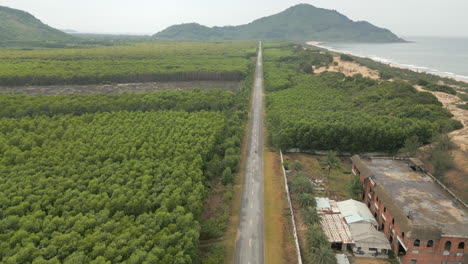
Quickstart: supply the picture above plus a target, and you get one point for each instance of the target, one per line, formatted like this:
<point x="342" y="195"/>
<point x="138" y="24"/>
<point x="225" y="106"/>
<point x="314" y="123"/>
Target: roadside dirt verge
<point x="279" y="242"/>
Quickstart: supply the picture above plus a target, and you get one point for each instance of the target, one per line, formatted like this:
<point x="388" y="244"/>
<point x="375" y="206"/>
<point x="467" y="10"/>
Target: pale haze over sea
<point x="438" y="55"/>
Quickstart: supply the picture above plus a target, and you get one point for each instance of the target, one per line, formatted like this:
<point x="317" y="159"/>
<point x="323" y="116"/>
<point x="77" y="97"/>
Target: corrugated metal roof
<point x="354" y="219"/>
<point x="366" y="236"/>
<point x="355" y="211"/>
<point x="322" y="203"/>
<point x="335" y="228"/>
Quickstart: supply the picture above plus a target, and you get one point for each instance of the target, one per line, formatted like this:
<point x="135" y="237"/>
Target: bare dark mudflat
<point x="120" y="88"/>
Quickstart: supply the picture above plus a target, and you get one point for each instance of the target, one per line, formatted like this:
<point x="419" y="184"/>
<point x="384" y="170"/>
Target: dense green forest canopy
<point x="134" y="62"/>
<point x="17" y="25"/>
<point x="112" y="178"/>
<point x="302" y="22"/>
<point x="332" y="111"/>
<point x="18" y="105"/>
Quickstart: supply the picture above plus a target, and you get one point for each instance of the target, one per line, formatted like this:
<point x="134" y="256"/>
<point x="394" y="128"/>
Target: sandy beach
<point x="392" y="63"/>
<point x="313" y="43"/>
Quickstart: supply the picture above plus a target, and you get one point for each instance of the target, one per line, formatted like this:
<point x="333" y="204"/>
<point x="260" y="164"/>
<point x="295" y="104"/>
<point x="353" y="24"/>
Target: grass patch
<point x="337" y="185"/>
<point x="213" y="254"/>
<point x="463" y="106"/>
<point x="279" y="245"/>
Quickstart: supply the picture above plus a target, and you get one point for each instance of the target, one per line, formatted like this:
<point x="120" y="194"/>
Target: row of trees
<point x="353" y="114"/>
<point x="138" y="62"/>
<point x="17" y="105"/>
<point x="112" y="178"/>
<point x="124" y="186"/>
<point x="284" y="62"/>
<point x="318" y="248"/>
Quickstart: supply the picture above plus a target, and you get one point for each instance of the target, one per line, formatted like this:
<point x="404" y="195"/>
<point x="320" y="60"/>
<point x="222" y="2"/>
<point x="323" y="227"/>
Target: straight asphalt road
<point x="249" y="244"/>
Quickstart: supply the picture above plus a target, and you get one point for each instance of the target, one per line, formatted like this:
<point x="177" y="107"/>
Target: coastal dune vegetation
<point x="338" y="112"/>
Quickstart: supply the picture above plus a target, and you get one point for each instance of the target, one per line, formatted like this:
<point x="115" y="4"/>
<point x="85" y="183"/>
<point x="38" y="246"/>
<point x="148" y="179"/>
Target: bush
<point x="356" y="188"/>
<point x="463" y="96"/>
<point x="441" y="157"/>
<point x="296" y="165"/>
<point x="228" y="178"/>
<point x="212" y="228"/>
<point x="213" y="254"/>
<point x="301" y="184"/>
<point x="306" y="200"/>
<point x="441" y="88"/>
<point x="463" y="106"/>
<point x="422" y="82"/>
<point x="411" y="145"/>
<point x="346" y="57"/>
<point x="385" y="76"/>
<point x="436" y="87"/>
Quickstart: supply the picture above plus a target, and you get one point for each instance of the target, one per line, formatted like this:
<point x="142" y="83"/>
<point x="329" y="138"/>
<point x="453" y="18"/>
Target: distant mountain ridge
<point x="298" y="23"/>
<point x="17" y="25"/>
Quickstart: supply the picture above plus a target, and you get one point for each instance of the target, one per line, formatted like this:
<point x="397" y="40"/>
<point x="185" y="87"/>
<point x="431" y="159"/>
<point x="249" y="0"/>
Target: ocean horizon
<point x="443" y="56"/>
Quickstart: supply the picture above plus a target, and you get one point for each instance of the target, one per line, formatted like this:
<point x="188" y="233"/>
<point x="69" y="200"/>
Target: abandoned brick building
<point x="423" y="221"/>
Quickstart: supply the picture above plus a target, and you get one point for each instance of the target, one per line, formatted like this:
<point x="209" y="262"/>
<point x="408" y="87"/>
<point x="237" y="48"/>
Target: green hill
<point x="299" y="23"/>
<point x="20" y="26"/>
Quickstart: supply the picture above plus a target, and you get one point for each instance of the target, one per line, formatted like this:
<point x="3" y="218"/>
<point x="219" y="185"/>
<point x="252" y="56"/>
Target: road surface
<point x="249" y="244"/>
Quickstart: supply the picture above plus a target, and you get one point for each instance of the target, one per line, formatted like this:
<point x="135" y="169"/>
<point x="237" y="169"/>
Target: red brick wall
<point x="423" y="254"/>
<point x="435" y="255"/>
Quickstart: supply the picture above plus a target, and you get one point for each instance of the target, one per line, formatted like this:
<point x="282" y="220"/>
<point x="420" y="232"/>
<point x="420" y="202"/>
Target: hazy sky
<point x="403" y="17"/>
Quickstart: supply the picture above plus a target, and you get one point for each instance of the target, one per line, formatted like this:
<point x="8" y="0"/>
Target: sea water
<point x="442" y="56"/>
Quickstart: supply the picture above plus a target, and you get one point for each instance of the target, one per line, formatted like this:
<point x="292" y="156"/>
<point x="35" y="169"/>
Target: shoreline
<point x="415" y="68"/>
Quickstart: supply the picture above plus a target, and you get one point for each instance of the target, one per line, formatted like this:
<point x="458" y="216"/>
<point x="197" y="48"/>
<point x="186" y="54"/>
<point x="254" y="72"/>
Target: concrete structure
<point x="423" y="221"/>
<point x="342" y="259"/>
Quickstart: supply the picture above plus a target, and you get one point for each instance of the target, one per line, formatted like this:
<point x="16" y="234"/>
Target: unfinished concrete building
<point x="423" y="221"/>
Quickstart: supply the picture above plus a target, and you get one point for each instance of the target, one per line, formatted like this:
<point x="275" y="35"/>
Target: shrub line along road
<point x="249" y="245"/>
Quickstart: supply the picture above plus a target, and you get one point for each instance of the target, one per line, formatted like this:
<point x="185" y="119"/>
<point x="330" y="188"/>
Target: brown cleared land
<point x="120" y="88"/>
<point x="214" y="204"/>
<point x="279" y="241"/>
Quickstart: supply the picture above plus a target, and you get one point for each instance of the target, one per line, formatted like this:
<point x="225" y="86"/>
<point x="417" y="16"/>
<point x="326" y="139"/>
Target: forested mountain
<point x="299" y="23"/>
<point x="17" y="25"/>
